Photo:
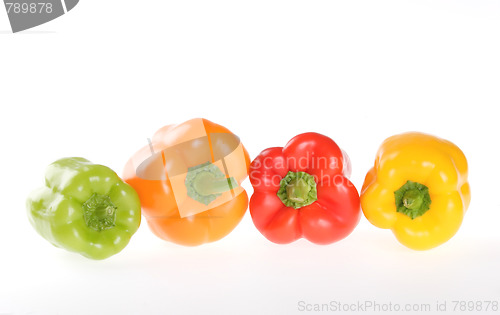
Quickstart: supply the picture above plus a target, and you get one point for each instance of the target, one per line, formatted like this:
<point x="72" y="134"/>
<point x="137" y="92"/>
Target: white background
<point x="100" y="80"/>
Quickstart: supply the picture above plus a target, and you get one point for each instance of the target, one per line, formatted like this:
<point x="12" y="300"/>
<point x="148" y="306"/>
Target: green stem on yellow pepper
<point x="412" y="199"/>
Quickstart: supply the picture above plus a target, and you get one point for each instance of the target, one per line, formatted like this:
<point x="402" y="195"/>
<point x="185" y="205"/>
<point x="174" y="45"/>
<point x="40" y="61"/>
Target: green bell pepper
<point x="85" y="208"/>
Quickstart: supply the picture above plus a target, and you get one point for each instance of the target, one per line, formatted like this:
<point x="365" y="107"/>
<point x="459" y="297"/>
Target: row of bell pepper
<point x="187" y="182"/>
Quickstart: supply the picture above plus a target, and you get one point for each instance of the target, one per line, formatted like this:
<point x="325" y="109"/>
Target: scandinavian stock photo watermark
<point x="327" y="170"/>
<point x="373" y="306"/>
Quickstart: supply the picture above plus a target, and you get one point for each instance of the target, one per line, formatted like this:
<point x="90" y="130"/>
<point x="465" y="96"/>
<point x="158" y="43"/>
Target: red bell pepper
<point x="302" y="190"/>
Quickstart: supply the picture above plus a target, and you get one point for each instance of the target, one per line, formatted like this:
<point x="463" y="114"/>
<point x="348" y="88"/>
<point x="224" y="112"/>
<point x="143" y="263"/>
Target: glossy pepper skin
<point x="418" y="188"/>
<point x="84" y="208"/>
<point x="165" y="175"/>
<point x="301" y="190"/>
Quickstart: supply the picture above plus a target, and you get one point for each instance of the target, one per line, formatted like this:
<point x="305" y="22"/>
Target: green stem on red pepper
<point x="297" y="189"/>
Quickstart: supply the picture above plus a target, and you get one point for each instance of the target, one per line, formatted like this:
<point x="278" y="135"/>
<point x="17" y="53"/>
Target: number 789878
<point x="28" y="8"/>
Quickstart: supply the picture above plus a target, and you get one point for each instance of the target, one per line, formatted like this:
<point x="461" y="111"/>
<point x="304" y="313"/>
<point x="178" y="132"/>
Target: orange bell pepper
<point x="189" y="182"/>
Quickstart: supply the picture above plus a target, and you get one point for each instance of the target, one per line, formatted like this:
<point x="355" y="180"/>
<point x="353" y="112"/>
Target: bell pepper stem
<point x="412" y="199"/>
<point x="99" y="212"/>
<point x="206" y="182"/>
<point x="297" y="190"/>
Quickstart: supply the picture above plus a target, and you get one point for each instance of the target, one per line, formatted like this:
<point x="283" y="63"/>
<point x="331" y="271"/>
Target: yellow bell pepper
<point x="418" y="188"/>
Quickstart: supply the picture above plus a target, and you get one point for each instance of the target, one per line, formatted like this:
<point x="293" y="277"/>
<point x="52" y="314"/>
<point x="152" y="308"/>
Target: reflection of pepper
<point x="189" y="182"/>
<point x="85" y="208"/>
<point x="302" y="190"/>
<point x="418" y="188"/>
